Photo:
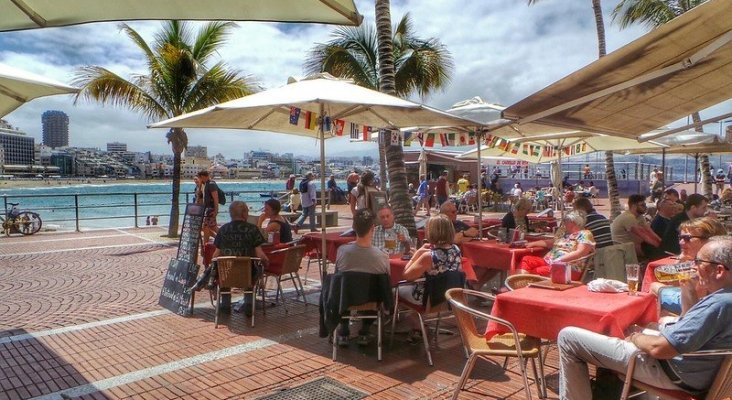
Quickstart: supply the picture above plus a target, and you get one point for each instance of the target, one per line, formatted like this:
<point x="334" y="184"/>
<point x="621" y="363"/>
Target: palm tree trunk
<point x="399" y="199"/>
<point x="179" y="141"/>
<point x="382" y="159"/>
<point x="600" y="25"/>
<point x="706" y="175"/>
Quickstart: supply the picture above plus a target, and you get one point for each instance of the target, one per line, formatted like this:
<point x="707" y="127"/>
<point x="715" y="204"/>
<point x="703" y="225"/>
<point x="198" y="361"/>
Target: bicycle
<point x="20" y="221"/>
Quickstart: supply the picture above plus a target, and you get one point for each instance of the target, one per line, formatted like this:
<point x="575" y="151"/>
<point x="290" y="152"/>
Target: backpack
<point x="222" y="195"/>
<point x="303" y="187"/>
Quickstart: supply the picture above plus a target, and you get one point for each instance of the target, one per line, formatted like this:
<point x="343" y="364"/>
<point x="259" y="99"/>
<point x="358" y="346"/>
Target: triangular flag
<point x="294" y="115"/>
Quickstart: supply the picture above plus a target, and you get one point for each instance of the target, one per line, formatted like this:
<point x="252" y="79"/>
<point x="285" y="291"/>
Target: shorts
<point x="209" y="219"/>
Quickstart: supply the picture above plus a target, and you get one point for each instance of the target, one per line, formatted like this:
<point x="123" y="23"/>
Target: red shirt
<point x="441" y="187"/>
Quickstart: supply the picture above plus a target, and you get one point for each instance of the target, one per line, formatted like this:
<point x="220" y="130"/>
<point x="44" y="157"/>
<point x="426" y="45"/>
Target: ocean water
<point x="113" y="205"/>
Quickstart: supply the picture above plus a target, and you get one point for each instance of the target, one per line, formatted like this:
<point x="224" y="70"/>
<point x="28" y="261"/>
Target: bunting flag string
<point x="294" y="115"/>
<point x="408" y="137"/>
<point x="430" y="141"/>
<point x="354" y="131"/>
<point x="339" y="126"/>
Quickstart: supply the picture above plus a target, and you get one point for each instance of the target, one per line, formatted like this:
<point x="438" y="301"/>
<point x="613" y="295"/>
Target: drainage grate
<point x="320" y="389"/>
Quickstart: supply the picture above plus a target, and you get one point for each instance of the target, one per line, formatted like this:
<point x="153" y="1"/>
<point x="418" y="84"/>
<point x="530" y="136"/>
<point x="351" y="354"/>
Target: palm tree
<point x="654" y="13"/>
<point x="178" y="81"/>
<point x="398" y="64"/>
<point x="612" y="181"/>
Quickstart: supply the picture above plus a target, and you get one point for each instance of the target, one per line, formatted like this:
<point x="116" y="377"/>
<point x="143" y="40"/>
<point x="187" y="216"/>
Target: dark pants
<point x="441" y="199"/>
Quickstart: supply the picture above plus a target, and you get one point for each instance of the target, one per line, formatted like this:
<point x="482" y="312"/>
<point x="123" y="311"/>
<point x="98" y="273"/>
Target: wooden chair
<point x="234" y="272"/>
<point x="721" y="388"/>
<point x="476" y="346"/>
<point x="290" y="266"/>
<point x="518" y="281"/>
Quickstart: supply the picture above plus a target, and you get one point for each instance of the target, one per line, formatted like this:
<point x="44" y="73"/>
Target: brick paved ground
<point x="80" y="320"/>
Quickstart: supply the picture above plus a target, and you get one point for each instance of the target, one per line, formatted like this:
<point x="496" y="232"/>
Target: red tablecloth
<point x="543" y="313"/>
<point x="491" y="254"/>
<point x="650" y="276"/>
<point x="333" y="240"/>
<point x="397" y="270"/>
<point x="275" y="260"/>
<point x="486" y="222"/>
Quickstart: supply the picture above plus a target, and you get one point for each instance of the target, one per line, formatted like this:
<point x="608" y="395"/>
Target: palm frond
<point x="209" y="40"/>
<point x="350" y="54"/>
<point x="217" y="85"/>
<point x="427" y="66"/>
<point x="651" y="13"/>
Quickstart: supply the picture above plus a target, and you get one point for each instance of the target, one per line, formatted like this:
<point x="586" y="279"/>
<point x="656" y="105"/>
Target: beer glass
<point x="631" y="271"/>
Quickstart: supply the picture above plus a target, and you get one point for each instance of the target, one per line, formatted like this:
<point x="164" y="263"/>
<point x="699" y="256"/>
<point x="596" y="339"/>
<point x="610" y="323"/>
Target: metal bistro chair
<point x="290" y="266"/>
<point x="235" y="272"/>
<point x="721" y="388"/>
<point x="476" y="346"/>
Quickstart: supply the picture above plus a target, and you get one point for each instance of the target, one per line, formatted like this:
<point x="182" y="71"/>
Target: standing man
<point x="390" y="237"/>
<point x="587" y="171"/>
<point x="707" y="325"/>
<point x="631" y="226"/>
<point x="463" y="184"/>
<point x="695" y="207"/>
<point x="442" y="189"/>
<point x="361" y="256"/>
<point x="423" y="195"/>
<point x="242" y="239"/>
<point x="309" y="198"/>
<point x="596" y="223"/>
<point x="210" y="203"/>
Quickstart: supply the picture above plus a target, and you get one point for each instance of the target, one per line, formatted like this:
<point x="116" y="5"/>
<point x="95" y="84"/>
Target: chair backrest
<point x="235" y="272"/>
<point x="586" y="263"/>
<point x="293" y="259"/>
<point x="465" y="321"/>
<point x="610" y="261"/>
<point x="722" y="386"/>
<point x="518" y="281"/>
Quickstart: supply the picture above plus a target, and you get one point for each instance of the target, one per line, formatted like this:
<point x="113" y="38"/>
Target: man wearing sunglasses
<point x="695" y="207"/>
<point x="707" y="325"/>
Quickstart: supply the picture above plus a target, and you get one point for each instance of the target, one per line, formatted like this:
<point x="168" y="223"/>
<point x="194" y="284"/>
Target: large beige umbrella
<point x="29" y="14"/>
<point x="18" y="87"/>
<point x="322" y="100"/>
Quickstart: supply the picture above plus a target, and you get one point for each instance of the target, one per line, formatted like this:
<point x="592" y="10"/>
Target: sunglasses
<point x="687" y="238"/>
<point x="699" y="261"/>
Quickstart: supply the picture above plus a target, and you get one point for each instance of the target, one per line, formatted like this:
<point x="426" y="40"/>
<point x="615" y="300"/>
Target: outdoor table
<point x="550" y="221"/>
<point x="333" y="240"/>
<point x="649" y="277"/>
<point x="494" y="255"/>
<point x="275" y="260"/>
<point x="398" y="265"/>
<point x="543" y="313"/>
<point x="486" y="222"/>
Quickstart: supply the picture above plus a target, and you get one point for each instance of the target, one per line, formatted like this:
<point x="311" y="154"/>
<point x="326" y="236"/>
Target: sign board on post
<point x="181" y="274"/>
<point x="190" y="235"/>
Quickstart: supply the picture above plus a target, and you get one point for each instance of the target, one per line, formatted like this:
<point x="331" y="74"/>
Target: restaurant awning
<point x="29" y="14"/>
<point x="679" y="68"/>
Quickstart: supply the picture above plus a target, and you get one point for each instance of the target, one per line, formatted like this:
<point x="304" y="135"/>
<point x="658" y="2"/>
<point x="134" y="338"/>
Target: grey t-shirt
<point x="621" y="225"/>
<point x="706" y="326"/>
<point x="352" y="257"/>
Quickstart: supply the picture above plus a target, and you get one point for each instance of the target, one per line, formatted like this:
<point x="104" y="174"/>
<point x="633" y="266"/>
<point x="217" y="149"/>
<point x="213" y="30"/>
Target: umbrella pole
<point x="696" y="171"/>
<point x="324" y="250"/>
<point x="479" y="136"/>
<point x="663" y="167"/>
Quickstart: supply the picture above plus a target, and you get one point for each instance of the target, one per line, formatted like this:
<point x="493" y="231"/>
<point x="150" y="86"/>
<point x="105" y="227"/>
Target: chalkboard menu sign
<point x="190" y="234"/>
<point x="181" y="274"/>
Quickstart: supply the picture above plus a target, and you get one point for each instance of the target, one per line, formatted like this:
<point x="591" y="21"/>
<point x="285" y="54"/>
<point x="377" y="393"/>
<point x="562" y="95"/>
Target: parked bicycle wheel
<point x="28" y="222"/>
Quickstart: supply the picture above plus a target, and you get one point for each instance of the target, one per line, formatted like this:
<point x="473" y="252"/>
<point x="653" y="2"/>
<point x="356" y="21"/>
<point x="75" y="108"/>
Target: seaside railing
<point x="101" y="210"/>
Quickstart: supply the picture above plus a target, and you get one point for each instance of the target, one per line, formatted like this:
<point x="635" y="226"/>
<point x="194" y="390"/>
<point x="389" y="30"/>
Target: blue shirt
<point x="706" y="326"/>
<point x="423" y="188"/>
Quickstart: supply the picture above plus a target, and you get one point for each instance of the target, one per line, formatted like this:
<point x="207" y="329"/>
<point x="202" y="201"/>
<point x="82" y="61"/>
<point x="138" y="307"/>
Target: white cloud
<point x="503" y="51"/>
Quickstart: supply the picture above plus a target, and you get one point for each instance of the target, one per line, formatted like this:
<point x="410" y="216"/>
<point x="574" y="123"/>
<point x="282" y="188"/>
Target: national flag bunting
<point x="294" y="115"/>
<point x="443" y="139"/>
<point x="430" y="142"/>
<point x="355" y="131"/>
<point x="366" y="133"/>
<point x="339" y="125"/>
<point x="312" y="121"/>
<point x="471" y="138"/>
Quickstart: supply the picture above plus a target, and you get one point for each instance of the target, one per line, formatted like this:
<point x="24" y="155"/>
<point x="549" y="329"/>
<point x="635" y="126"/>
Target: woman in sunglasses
<point x="693" y="235"/>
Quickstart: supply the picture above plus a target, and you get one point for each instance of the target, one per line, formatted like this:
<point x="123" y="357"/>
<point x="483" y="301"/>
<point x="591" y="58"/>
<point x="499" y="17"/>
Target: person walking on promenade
<point x="211" y="204"/>
<point x="290" y="184"/>
<point x="423" y="195"/>
<point x="442" y="189"/>
<point x="360" y="194"/>
<point x="309" y="198"/>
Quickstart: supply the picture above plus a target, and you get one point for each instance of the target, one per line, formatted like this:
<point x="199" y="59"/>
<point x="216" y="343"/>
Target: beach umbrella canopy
<point x="319" y="106"/>
<point x="679" y="68"/>
<point x="30" y="14"/>
<point x="18" y="87"/>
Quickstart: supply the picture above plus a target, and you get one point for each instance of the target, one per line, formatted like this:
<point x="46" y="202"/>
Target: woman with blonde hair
<point x="435" y="257"/>
<point x="574" y="243"/>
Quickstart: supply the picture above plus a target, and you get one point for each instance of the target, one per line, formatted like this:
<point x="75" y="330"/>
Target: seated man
<point x="390" y="237"/>
<point x="695" y="207"/>
<point x="596" y="223"/>
<point x="707" y="325"/>
<point x="240" y="238"/>
<point x="631" y="225"/>
<point x="361" y="256"/>
<point x="463" y="232"/>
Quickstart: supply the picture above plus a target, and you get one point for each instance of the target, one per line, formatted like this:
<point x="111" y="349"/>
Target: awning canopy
<point x="29" y="14"/>
<point x="679" y="68"/>
<point x="18" y="87"/>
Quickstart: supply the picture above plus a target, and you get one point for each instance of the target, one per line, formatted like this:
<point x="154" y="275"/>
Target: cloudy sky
<point x="503" y="51"/>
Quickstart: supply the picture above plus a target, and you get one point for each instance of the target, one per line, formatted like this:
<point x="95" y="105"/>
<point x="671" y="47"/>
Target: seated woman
<point x="435" y="257"/>
<point x="277" y="223"/>
<point x="518" y="217"/>
<point x="295" y="201"/>
<point x="692" y="236"/>
<point x="726" y="197"/>
<point x="575" y="243"/>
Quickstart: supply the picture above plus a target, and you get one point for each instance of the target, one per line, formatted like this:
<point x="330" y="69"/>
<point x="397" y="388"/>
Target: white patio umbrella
<point x="29" y="14"/>
<point x="331" y="99"/>
<point x="18" y="87"/>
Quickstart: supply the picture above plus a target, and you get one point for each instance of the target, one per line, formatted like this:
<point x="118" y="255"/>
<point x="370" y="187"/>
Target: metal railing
<point x="78" y="208"/>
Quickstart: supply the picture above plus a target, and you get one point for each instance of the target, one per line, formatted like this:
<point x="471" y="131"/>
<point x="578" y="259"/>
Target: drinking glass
<point x="631" y="271"/>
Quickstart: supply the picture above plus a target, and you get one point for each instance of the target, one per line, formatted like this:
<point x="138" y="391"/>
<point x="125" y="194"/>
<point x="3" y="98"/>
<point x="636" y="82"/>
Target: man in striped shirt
<point x="596" y="223"/>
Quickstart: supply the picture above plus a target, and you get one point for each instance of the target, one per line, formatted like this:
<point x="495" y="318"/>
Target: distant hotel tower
<point x="55" y="129"/>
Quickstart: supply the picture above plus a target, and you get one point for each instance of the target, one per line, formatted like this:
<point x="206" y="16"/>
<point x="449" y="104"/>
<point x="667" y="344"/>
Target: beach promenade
<point x="80" y="320"/>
